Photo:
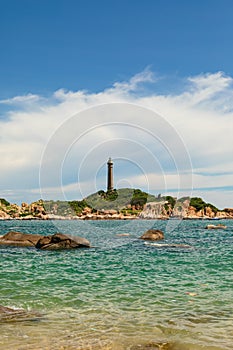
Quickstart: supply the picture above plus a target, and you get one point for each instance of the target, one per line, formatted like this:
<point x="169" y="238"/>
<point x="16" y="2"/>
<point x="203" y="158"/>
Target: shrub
<point x="197" y="203"/>
<point x="4" y="202"/>
<point x="139" y="198"/>
<point x="171" y="201"/>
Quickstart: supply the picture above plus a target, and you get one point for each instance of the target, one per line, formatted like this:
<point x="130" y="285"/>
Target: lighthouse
<point x="110" y="175"/>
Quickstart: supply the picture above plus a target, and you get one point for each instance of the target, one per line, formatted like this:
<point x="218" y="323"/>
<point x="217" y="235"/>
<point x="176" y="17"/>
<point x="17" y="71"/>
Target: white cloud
<point x="29" y="98"/>
<point x="133" y="83"/>
<point x="85" y="128"/>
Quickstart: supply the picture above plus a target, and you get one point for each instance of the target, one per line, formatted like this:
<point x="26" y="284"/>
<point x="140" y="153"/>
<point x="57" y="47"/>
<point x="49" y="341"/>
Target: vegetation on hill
<point x="171" y="202"/>
<point x="116" y="199"/>
<point x="139" y="198"/>
<point x="4" y="202"/>
<point x="120" y="199"/>
<point x="64" y="208"/>
<point x="199" y="204"/>
<point x="109" y="195"/>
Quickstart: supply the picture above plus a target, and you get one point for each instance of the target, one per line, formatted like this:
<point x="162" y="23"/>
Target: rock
<point x="43" y="241"/>
<point x="4" y="215"/>
<point x="8" y="314"/>
<point x="19" y="239"/>
<point x="154" y="210"/>
<point x="123" y="234"/>
<point x="61" y="241"/>
<point x="56" y="241"/>
<point x="168" y="245"/>
<point x="152" y="235"/>
<point x="216" y="227"/>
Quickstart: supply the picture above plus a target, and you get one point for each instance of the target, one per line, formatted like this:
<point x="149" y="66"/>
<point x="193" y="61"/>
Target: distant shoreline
<point x="114" y="219"/>
<point x="122" y="204"/>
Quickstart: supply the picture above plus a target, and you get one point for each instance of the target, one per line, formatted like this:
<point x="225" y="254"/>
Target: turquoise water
<point x="122" y="291"/>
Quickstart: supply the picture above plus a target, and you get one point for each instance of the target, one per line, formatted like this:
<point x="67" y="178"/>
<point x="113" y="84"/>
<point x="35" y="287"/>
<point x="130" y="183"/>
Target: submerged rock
<point x="152" y="235"/>
<point x="123" y="234"/>
<point x="8" y="314"/>
<point x="169" y="245"/>
<point x="61" y="241"/>
<point x="216" y="227"/>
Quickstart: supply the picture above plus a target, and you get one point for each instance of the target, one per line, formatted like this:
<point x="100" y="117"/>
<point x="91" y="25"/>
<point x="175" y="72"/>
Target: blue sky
<point x="61" y="58"/>
<point x="72" y="44"/>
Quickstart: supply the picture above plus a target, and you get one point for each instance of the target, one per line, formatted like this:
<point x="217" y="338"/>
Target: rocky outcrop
<point x="208" y="213"/>
<point x="229" y="211"/>
<point x="154" y="210"/>
<point x="19" y="239"/>
<point x="52" y="242"/>
<point x="61" y="241"/>
<point x="25" y="211"/>
<point x="4" y="215"/>
<point x="152" y="235"/>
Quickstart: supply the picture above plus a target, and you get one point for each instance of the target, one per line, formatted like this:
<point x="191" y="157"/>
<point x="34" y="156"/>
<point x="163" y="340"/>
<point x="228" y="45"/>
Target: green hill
<point x="119" y="199"/>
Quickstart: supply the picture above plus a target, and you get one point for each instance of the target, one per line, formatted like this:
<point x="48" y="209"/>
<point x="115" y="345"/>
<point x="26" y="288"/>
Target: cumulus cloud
<point x="174" y="142"/>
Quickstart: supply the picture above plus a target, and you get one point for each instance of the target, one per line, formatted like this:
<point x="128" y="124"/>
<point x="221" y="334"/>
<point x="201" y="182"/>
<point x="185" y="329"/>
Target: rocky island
<point x="121" y="204"/>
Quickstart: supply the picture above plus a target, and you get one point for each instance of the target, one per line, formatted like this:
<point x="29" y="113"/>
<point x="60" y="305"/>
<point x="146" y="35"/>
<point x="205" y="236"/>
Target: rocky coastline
<point x="160" y="209"/>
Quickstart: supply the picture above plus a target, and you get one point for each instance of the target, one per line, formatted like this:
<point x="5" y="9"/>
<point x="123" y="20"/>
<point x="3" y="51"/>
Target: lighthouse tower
<point x="110" y="175"/>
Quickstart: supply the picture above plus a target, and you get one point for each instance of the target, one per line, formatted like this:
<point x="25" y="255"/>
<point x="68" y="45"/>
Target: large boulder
<point x="152" y="235"/>
<point x="19" y="239"/>
<point x="61" y="241"/>
<point x="52" y="242"/>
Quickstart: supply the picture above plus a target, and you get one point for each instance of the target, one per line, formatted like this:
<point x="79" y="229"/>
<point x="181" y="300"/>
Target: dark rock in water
<point x="152" y="235"/>
<point x="8" y="314"/>
<point x="56" y="241"/>
<point x="19" y="239"/>
<point x="61" y="241"/>
<point x="43" y="241"/>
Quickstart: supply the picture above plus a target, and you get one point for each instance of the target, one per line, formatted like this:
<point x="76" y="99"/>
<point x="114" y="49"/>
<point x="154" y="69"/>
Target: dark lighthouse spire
<point x="110" y="175"/>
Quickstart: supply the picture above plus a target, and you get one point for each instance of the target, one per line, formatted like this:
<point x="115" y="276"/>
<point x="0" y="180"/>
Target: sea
<point x="122" y="293"/>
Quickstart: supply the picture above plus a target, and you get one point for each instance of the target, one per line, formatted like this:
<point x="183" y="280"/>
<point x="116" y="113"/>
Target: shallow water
<point x="121" y="292"/>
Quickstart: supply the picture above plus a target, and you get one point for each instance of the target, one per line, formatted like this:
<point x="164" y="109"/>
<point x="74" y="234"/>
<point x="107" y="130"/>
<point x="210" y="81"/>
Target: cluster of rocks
<point x="59" y="240"/>
<point x="24" y="211"/>
<point x="36" y="211"/>
<point x="52" y="242"/>
<point x="105" y="215"/>
<point x="162" y="210"/>
<point x="208" y="213"/>
<point x="151" y="210"/>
